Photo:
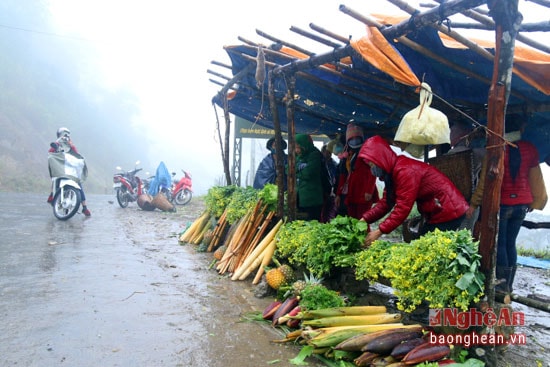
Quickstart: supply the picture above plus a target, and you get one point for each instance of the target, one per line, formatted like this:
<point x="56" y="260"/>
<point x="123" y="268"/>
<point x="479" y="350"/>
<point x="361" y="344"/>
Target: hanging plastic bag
<point x="424" y="125"/>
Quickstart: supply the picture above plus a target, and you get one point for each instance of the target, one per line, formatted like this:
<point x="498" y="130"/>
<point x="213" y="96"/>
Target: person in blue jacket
<point x="267" y="172"/>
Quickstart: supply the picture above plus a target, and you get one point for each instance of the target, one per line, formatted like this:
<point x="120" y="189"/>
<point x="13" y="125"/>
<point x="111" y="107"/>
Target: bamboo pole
<point x="235" y="241"/>
<point x="220" y="227"/>
<point x="252" y="242"/>
<point x="223" y="263"/>
<point x="314" y="37"/>
<point x="255" y="220"/>
<point x="257" y="251"/>
<point x="422" y="50"/>
<point x="403" y="5"/>
<point x="475" y="15"/>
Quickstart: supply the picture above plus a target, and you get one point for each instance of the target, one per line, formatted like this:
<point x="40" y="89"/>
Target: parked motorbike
<point x="128" y="186"/>
<point x="67" y="171"/>
<point x="182" y="191"/>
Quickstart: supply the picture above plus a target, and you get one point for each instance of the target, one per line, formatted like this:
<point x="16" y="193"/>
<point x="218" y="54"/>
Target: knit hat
<point x="354" y="136"/>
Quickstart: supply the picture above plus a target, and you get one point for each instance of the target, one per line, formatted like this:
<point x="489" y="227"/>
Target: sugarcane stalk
<point x="229" y="253"/>
<point x="220" y="227"/>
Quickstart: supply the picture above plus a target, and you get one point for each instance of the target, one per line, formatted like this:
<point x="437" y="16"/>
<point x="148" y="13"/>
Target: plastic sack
<point x="424" y="125"/>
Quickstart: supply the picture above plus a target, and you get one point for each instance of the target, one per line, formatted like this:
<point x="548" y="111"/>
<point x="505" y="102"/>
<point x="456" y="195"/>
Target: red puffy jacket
<point x="437" y="198"/>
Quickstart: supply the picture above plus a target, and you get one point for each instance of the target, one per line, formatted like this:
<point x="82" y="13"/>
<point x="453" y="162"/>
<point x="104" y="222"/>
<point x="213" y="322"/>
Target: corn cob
<point x="382" y="318"/>
<point x="341" y="311"/>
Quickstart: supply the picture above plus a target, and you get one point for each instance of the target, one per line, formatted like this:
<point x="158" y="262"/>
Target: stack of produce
<point x="320" y="247"/>
<point x="441" y="267"/>
<point x="194" y="233"/>
<point x="356" y="335"/>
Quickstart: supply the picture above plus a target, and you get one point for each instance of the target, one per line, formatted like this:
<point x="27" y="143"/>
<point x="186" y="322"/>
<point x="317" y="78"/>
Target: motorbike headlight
<point x="116" y="179"/>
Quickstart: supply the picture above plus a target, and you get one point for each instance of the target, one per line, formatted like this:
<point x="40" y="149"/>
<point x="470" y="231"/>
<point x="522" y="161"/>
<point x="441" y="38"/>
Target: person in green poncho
<point x="309" y="184"/>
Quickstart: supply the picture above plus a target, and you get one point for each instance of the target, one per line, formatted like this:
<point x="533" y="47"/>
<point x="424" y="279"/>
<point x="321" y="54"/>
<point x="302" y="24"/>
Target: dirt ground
<point x="117" y="289"/>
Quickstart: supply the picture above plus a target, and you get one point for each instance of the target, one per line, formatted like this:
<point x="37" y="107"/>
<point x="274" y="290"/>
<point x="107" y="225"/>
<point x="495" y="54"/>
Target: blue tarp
<point x="326" y="100"/>
<point x="533" y="262"/>
<point x="162" y="180"/>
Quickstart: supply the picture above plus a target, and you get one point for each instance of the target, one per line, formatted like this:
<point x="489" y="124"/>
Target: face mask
<point x="377" y="171"/>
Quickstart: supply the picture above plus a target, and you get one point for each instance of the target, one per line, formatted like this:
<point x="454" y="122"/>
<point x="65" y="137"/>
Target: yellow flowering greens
<point x="439" y="267"/>
<point x="321" y="246"/>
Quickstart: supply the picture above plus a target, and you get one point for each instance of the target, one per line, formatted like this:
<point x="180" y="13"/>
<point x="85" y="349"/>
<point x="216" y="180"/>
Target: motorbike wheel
<point x="122" y="197"/>
<point x="66" y="205"/>
<point x="183" y="197"/>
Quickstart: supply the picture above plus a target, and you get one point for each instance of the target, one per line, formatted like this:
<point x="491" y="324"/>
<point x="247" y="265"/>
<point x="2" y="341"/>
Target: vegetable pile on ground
<point x="355" y="336"/>
<point x="240" y="228"/>
<point x="319" y="247"/>
<point x="441" y="267"/>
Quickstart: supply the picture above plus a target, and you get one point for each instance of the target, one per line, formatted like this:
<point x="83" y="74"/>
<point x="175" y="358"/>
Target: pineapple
<point x="288" y="273"/>
<point x="208" y="237"/>
<point x="218" y="254"/>
<point x="299" y="285"/>
<point x="275" y="278"/>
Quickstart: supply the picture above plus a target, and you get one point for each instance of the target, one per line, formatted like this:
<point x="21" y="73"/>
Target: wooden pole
<point x="291" y="189"/>
<point x="279" y="153"/>
<point x="506" y="19"/>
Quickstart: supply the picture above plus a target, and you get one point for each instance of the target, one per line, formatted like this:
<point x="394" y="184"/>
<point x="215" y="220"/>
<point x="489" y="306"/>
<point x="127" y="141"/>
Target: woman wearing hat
<point x="267" y="172"/>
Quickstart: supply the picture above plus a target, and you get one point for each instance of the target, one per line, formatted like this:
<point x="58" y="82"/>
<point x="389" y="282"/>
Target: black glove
<point x="55" y="146"/>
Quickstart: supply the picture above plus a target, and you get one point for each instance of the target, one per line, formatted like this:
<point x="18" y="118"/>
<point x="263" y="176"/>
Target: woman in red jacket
<point x="408" y="181"/>
<point x="362" y="192"/>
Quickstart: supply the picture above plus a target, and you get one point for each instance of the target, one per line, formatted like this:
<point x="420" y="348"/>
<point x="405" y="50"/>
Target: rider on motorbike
<point x="64" y="143"/>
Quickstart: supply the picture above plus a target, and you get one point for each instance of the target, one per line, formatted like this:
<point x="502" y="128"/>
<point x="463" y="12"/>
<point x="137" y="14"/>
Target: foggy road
<point x="117" y="289"/>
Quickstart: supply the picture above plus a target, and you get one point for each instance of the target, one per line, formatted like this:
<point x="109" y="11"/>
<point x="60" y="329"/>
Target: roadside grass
<point x="543" y="254"/>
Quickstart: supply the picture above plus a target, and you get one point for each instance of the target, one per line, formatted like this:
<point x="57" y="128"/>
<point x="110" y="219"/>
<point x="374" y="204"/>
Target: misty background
<point x="129" y="79"/>
<point x="46" y="83"/>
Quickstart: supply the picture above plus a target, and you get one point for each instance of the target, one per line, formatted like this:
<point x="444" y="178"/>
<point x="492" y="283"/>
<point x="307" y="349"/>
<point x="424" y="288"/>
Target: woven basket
<point x="145" y="202"/>
<point x="161" y="202"/>
<point x="459" y="168"/>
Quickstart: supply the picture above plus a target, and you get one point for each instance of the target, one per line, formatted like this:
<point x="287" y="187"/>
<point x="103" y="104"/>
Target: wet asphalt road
<point x="117" y="289"/>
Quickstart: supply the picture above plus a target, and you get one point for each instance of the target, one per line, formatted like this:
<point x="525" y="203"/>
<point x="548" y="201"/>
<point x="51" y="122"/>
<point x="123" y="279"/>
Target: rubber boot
<point x="503" y="277"/>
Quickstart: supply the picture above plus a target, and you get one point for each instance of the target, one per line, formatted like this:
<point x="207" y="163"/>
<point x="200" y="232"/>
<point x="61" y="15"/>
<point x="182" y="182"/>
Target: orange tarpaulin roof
<point x="376" y="50"/>
<point x="529" y="64"/>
